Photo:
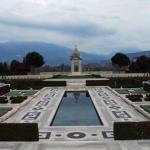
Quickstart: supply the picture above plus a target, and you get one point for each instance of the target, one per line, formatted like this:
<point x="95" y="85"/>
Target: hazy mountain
<point x="131" y="53"/>
<point x="53" y="54"/>
<point x="137" y="54"/>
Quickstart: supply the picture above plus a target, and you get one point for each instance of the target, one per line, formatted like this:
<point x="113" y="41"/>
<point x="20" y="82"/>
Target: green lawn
<point x="21" y="93"/>
<point x="4" y="110"/>
<point x="75" y="77"/>
<point x="146" y="108"/>
<point x="131" y="90"/>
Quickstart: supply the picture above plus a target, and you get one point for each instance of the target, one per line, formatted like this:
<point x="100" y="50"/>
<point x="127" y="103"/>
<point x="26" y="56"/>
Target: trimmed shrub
<point x="19" y="132"/>
<point x="147" y="86"/>
<point x="56" y="76"/>
<point x="18" y="99"/>
<point x="4" y="89"/>
<point x="96" y="76"/>
<point x="125" y="130"/>
<point x="117" y="82"/>
<point x="148" y="95"/>
<point x="127" y="82"/>
<point x="34" y="83"/>
<point x="135" y="98"/>
<point x="131" y="130"/>
<point x="3" y="100"/>
<point x="147" y="99"/>
<point x="97" y="82"/>
<point x="144" y="130"/>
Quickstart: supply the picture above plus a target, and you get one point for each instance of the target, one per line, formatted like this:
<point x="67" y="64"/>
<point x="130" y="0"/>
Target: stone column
<point x="72" y="66"/>
<point x="80" y="66"/>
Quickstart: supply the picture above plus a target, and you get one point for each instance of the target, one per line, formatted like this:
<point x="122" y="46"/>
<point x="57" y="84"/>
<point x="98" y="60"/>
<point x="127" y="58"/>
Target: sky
<point x="96" y="26"/>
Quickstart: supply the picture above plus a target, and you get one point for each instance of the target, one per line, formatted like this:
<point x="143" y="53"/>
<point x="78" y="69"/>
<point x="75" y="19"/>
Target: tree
<point x="62" y="66"/>
<point x="16" y="68"/>
<point x="25" y="66"/>
<point x="142" y="65"/>
<point x="1" y="69"/>
<point x="34" y="60"/>
<point x="5" y="69"/>
<point x="120" y="60"/>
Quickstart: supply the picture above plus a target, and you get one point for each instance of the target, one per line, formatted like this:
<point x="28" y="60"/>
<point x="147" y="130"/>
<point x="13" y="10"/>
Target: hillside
<point x="137" y="54"/>
<point x="53" y="54"/>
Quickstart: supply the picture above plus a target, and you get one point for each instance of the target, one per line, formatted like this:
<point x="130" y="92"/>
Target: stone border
<point x="53" y="112"/>
<point x="35" y="112"/>
<point x="116" y="108"/>
<point x="100" y="113"/>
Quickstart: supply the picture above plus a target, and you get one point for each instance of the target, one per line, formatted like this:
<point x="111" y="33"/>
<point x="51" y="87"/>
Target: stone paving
<point x="110" y="108"/>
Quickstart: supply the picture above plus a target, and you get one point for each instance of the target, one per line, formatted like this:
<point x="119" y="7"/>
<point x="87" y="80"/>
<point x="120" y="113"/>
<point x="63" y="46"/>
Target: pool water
<point x="76" y="109"/>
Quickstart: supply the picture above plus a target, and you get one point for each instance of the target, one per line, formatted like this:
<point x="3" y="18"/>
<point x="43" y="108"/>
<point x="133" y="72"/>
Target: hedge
<point x="24" y="84"/>
<point x="148" y="95"/>
<point x="117" y="82"/>
<point x="3" y="100"/>
<point x="19" y="132"/>
<point x="98" y="82"/>
<point x="135" y="98"/>
<point x="114" y="82"/>
<point x="147" y="99"/>
<point x="4" y="89"/>
<point x="18" y="99"/>
<point x="131" y="130"/>
<point x="147" y="86"/>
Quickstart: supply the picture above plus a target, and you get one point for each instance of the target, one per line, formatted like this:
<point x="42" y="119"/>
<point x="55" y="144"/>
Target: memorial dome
<point x="76" y="55"/>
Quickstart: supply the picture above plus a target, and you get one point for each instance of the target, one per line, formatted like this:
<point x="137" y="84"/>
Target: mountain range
<point x="52" y="53"/>
<point x="137" y="54"/>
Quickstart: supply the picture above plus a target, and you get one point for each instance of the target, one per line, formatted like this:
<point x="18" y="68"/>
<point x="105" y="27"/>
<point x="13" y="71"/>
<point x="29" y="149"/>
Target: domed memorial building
<point x="76" y="62"/>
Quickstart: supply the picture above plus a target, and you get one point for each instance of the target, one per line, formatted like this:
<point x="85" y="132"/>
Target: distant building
<point x="134" y="59"/>
<point x="76" y="62"/>
<point x="92" y="67"/>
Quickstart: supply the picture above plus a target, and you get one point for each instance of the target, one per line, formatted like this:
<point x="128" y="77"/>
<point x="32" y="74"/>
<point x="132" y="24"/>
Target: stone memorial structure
<point x="76" y="62"/>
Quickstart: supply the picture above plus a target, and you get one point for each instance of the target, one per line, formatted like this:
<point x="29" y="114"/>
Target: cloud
<point x="80" y="30"/>
<point x="99" y="26"/>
